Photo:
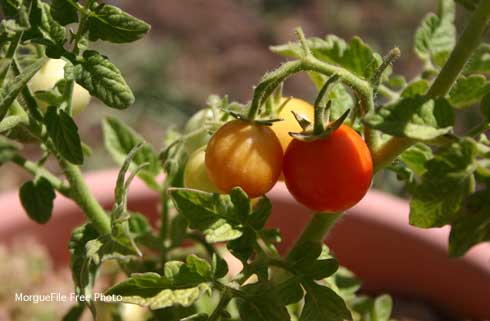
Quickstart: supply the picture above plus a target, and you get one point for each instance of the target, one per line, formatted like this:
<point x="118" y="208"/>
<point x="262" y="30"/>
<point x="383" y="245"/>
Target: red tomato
<point x="329" y="175"/>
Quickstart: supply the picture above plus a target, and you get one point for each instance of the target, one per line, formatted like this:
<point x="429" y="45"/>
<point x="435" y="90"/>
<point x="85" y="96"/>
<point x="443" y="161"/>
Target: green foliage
<point x="64" y="133"/>
<point x="119" y="140"/>
<point x="109" y="23"/>
<point x="37" y="199"/>
<point x="416" y="117"/>
<point x="436" y="37"/>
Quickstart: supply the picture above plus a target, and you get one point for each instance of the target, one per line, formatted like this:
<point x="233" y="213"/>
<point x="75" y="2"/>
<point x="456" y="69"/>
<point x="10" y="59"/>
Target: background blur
<point x="202" y="47"/>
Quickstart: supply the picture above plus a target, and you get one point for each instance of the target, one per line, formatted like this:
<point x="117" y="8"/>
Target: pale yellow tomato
<point x="47" y="77"/>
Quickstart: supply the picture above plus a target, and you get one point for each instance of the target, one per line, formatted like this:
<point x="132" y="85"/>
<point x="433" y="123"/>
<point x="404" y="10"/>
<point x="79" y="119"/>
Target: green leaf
<point x="468" y="90"/>
<point x="436" y="37"/>
<point x="46" y="30"/>
<point x="448" y="180"/>
<point x="261" y="305"/>
<point x="103" y="80"/>
<point x="112" y="24"/>
<point x="382" y="308"/>
<point x="75" y="313"/>
<point x="37" y="199"/>
<point x="64" y="133"/>
<point x="479" y="61"/>
<point x="11" y="89"/>
<point x="323" y="304"/>
<point x="416" y="88"/>
<point x="418" y="118"/>
<point x="83" y="269"/>
<point x="242" y="203"/>
<point x="243" y="247"/>
<point x="64" y="12"/>
<point x="207" y="212"/>
<point x="289" y="291"/>
<point x="355" y="56"/>
<point x="319" y="269"/>
<point x="219" y="267"/>
<point x="261" y="213"/>
<point x="182" y="285"/>
<point x="416" y="156"/>
<point x="119" y="140"/>
<point x="472" y="225"/>
<point x="178" y="228"/>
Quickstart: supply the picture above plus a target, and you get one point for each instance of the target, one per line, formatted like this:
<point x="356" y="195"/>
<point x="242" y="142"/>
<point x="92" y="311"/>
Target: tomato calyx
<point x="321" y="128"/>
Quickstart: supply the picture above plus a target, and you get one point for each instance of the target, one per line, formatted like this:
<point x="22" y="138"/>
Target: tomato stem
<point x="467" y="44"/>
<point x="317" y="228"/>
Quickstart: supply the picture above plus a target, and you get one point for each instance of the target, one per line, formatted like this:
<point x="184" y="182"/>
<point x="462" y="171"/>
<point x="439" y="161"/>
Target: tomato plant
<point x="48" y="65"/>
<point x="329" y="175"/>
<point x="244" y="155"/>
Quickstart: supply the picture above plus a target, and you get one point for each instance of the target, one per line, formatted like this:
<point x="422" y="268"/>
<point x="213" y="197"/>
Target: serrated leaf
<point x="448" y="180"/>
<point x="323" y="304"/>
<point x="103" y="80"/>
<point x="467" y="91"/>
<point x="472" y="225"/>
<point x="119" y="140"/>
<point x="418" y="118"/>
<point x="355" y="56"/>
<point x="319" y="269"/>
<point x="37" y="198"/>
<point x="436" y="36"/>
<point x="64" y="12"/>
<point x="416" y="156"/>
<point x="416" y="88"/>
<point x="261" y="305"/>
<point x="243" y="205"/>
<point x="64" y="133"/>
<point x="112" y="24"/>
<point x="205" y="212"/>
<point x="242" y="247"/>
<point x="305" y="253"/>
<point x="178" y="228"/>
<point x="182" y="285"/>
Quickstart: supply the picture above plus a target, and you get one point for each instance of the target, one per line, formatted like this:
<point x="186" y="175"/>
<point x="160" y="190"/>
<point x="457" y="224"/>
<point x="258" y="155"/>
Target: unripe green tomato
<point x="196" y="122"/>
<point x="47" y="77"/>
<point x="196" y="174"/>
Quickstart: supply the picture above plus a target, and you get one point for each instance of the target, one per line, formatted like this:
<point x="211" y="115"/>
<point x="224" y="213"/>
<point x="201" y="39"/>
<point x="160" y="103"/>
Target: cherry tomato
<point x="245" y="155"/>
<point x="195" y="173"/>
<point x="47" y="77"/>
<point x="289" y="123"/>
<point x="331" y="174"/>
<point x="196" y="122"/>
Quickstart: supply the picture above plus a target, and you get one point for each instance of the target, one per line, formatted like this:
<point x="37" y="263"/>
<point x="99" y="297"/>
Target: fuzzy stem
<point x="81" y="194"/>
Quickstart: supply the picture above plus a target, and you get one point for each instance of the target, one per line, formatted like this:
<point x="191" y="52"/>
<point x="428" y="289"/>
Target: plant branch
<point x="81" y="194"/>
<point x="37" y="170"/>
<point x="317" y="228"/>
<point x="467" y="44"/>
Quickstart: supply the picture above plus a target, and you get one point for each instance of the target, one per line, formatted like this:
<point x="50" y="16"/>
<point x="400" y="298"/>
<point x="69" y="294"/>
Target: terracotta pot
<point x="374" y="240"/>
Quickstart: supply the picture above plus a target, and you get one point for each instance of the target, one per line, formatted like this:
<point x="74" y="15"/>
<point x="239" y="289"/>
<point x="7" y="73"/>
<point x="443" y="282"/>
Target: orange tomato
<point x="245" y="155"/>
<point x="329" y="175"/>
